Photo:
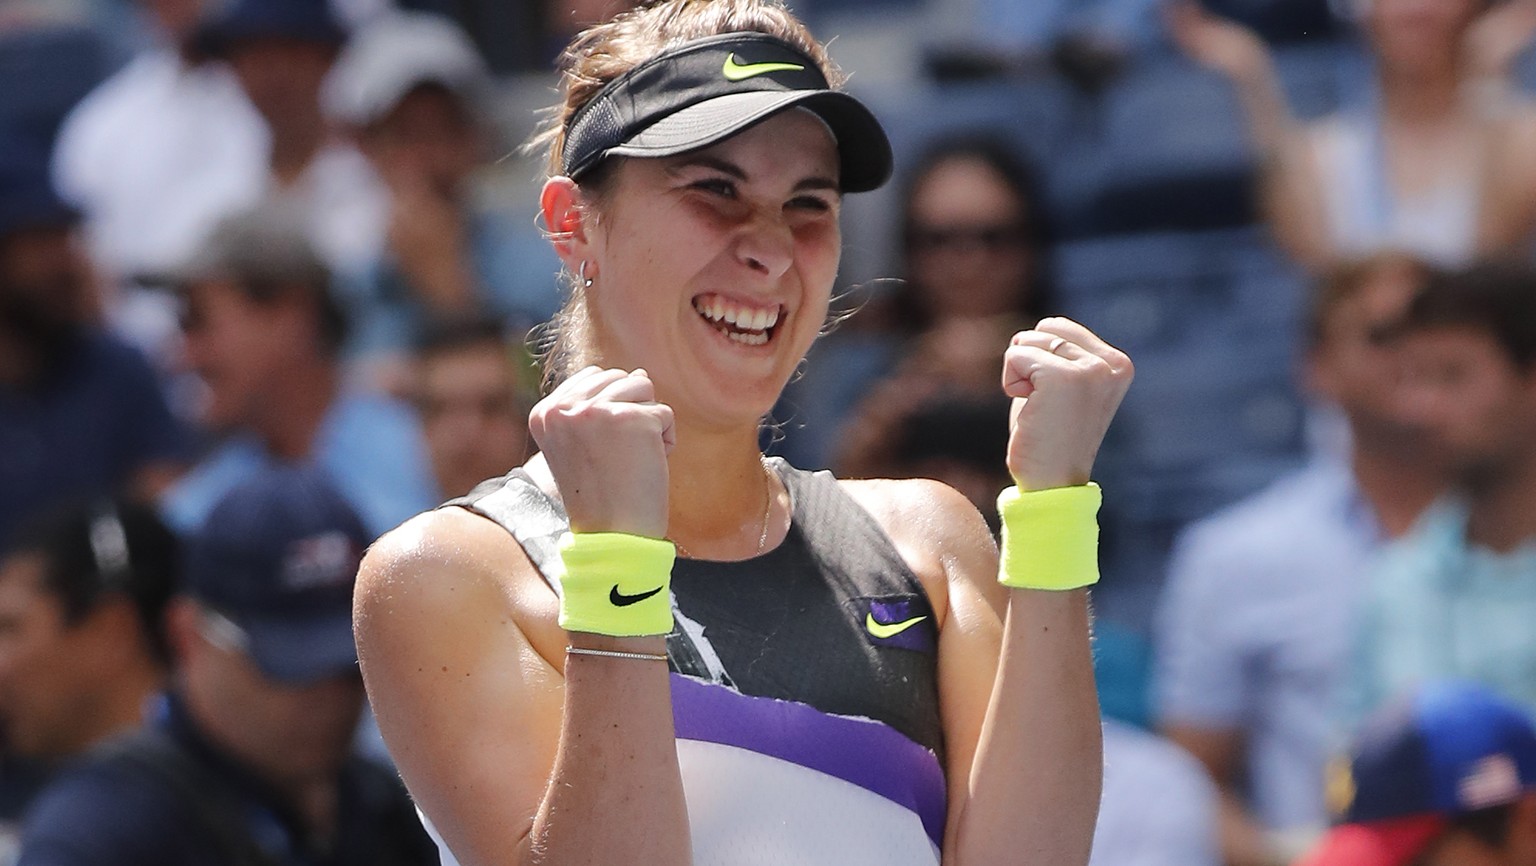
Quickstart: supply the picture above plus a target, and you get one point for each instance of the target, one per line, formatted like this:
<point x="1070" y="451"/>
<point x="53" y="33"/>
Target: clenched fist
<point x="1066" y="384"/>
<point x="606" y="441"/>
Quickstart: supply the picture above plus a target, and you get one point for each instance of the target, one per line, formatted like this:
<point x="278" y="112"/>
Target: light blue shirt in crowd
<point x="1440" y="608"/>
<point x="371" y="446"/>
<point x="1254" y="633"/>
<point x="1159" y="806"/>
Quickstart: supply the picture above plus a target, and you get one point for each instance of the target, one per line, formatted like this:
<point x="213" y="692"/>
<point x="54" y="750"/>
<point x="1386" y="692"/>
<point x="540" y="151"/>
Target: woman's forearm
<point x="615" y="795"/>
<point x="1037" y="775"/>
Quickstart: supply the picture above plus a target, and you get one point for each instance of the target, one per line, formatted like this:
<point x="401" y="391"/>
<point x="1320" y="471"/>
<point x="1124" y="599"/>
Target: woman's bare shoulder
<point x="447" y="568"/>
<point x="447" y="545"/>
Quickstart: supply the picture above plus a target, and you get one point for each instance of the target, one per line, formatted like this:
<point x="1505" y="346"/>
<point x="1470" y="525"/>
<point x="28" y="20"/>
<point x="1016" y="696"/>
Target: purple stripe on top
<point x="867" y="753"/>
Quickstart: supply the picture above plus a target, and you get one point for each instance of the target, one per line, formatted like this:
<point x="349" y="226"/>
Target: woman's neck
<point x="722" y="501"/>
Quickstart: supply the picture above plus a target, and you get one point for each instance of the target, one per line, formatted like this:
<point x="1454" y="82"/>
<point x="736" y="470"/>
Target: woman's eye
<point x="812" y="203"/>
<point x="716" y="186"/>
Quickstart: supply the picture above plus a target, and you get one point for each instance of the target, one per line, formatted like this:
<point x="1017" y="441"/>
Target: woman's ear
<point x="565" y="213"/>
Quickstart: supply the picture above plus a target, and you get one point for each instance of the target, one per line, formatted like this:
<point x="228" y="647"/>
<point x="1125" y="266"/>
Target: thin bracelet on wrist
<point x="615" y="654"/>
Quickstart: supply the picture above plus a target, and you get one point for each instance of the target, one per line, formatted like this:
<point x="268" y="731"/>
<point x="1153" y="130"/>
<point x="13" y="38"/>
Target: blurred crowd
<point x="270" y="283"/>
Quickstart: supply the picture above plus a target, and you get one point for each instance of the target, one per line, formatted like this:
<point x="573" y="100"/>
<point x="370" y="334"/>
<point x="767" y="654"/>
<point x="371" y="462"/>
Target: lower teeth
<point x="753" y="338"/>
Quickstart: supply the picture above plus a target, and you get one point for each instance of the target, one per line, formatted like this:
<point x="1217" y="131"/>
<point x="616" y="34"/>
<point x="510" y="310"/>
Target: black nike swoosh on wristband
<point x="618" y="599"/>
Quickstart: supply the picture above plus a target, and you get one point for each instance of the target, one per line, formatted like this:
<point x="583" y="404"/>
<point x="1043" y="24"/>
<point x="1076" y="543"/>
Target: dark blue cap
<point x="277" y="557"/>
<point x="1448" y="748"/>
<point x="1452" y="747"/>
<point x="306" y="20"/>
<point x="27" y="196"/>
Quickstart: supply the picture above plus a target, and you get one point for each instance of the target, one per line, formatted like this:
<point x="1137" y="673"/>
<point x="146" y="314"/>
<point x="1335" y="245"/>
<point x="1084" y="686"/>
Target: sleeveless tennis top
<point x="804" y="685"/>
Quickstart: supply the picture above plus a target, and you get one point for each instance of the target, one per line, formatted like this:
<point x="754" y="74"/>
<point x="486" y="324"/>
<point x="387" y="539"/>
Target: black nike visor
<point x="707" y="90"/>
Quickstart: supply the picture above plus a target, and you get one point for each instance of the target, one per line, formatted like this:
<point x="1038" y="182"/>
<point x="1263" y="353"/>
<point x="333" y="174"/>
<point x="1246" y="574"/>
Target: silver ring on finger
<point x="1056" y="344"/>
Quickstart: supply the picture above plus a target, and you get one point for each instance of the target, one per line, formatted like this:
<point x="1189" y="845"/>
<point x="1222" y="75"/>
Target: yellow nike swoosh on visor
<point x="734" y="71"/>
<point x="884" y="630"/>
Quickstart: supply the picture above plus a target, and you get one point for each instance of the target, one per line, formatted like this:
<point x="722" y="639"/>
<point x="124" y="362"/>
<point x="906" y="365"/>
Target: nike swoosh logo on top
<point x="884" y="630"/>
<point x="734" y="71"/>
<point x="619" y="599"/>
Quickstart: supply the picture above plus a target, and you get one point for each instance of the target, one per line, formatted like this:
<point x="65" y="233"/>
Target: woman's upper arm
<point x="468" y="706"/>
<point x="970" y="641"/>
<point x="944" y="539"/>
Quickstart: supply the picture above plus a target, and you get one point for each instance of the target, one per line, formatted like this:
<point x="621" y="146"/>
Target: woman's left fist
<point x="1066" y="384"/>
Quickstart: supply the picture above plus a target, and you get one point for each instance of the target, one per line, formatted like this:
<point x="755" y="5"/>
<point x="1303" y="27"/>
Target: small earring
<point x="581" y="274"/>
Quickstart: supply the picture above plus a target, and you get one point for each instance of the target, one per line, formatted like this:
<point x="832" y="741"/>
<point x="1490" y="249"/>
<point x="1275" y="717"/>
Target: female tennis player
<point x="650" y="645"/>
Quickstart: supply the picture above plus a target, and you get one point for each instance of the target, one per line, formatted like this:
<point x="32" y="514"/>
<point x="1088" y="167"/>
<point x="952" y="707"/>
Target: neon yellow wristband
<point x="1050" y="537"/>
<point x="616" y="584"/>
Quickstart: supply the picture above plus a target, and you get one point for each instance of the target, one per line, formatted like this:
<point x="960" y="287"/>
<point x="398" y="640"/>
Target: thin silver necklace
<point x="762" y="536"/>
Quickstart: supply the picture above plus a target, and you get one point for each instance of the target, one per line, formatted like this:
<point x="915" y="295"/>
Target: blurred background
<point x="242" y="235"/>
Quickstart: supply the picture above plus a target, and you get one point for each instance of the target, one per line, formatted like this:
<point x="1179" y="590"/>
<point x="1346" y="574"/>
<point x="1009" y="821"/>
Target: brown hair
<point x="1344" y="280"/>
<point x="606" y="51"/>
<point x="1496" y="298"/>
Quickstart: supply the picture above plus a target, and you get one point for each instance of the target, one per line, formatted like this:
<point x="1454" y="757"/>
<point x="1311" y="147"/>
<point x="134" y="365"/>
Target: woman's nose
<point x="767" y="245"/>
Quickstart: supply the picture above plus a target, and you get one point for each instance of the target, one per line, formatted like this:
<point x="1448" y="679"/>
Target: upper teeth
<point x="743" y="317"/>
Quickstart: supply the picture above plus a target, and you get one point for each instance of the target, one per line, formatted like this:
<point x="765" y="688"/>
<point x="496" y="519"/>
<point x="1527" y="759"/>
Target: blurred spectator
<point x="153" y="158"/>
<point x="1254" y="631"/>
<point x="955" y="440"/>
<point x="248" y="760"/>
<point x="1444" y="777"/>
<point x="263" y="331"/>
<point x="975" y="248"/>
<point x="414" y="94"/>
<point x="563" y="19"/>
<point x="82" y="645"/>
<point x="1159" y="808"/>
<point x="1437" y="159"/>
<point x="48" y="65"/>
<point x="1456" y="597"/>
<point x="281" y="52"/>
<point x="80" y="412"/>
<point x="1037" y="27"/>
<point x="473" y="391"/>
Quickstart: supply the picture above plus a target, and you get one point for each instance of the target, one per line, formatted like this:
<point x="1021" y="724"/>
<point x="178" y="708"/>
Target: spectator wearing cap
<point x="1255" y="627"/>
<point x="414" y="94"/>
<point x="473" y="389"/>
<point x="83" y="593"/>
<point x="81" y="413"/>
<point x="281" y="52"/>
<point x="249" y="759"/>
<point x="264" y="331"/>
<point x="1456" y="597"/>
<point x="152" y="158"/>
<point x="1443" y="777"/>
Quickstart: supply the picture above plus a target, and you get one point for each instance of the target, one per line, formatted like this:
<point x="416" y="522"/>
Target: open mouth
<point x="747" y="324"/>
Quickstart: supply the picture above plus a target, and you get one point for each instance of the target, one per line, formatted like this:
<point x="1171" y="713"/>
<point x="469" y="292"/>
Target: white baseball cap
<point x="394" y="53"/>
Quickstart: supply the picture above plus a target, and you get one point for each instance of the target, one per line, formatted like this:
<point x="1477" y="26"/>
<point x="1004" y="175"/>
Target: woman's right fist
<point x="606" y="441"/>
